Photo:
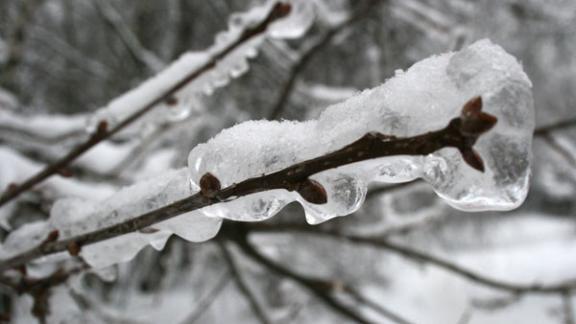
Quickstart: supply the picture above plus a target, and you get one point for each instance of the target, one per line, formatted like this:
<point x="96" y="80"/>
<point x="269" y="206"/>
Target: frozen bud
<point x="52" y="236"/>
<point x="102" y="127"/>
<point x="474" y="121"/>
<point x="73" y="248"/>
<point x="473" y="159"/>
<point x="280" y="10"/>
<point x="313" y="192"/>
<point x="209" y="185"/>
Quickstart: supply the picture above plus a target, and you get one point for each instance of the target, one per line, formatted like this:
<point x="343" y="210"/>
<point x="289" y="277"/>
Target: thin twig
<point x="140" y="54"/>
<point x="555" y="127"/>
<point x="277" y="12"/>
<point x="309" y="53"/>
<point x="386" y="313"/>
<point x="205" y="303"/>
<point x="414" y="254"/>
<point x="461" y="133"/>
<point x="243" y="286"/>
<point x="555" y="145"/>
<point x="316" y="287"/>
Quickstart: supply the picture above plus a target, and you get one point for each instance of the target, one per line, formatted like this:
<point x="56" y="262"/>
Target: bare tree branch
<point x="461" y="133"/>
<point x="386" y="313"/>
<point x="316" y="287"/>
<point x="205" y="302"/>
<point x="243" y="286"/>
<point x="555" y="127"/>
<point x="416" y="255"/>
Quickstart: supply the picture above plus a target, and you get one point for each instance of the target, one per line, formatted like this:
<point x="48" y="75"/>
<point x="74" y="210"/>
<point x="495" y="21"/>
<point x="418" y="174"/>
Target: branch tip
<point x="474" y="121"/>
<point x="473" y="159"/>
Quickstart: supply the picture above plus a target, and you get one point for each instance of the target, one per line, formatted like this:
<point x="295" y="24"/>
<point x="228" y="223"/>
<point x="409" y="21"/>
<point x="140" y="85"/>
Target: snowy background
<point x="65" y="65"/>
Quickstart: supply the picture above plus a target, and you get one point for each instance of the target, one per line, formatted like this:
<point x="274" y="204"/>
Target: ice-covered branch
<point x="461" y="133"/>
<point x="135" y="105"/>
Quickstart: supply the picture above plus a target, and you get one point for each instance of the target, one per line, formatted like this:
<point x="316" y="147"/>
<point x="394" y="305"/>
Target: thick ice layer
<point x="424" y="98"/>
<point x="75" y="216"/>
<point x="232" y="65"/>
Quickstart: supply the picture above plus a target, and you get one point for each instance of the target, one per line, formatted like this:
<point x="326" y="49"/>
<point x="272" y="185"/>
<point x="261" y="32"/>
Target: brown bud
<point x="474" y="121"/>
<point x="102" y="127"/>
<point x="171" y="101"/>
<point x="281" y="9"/>
<point x="472" y="107"/>
<point x="313" y="192"/>
<point x="473" y="159"/>
<point x="65" y="172"/>
<point x="52" y="236"/>
<point x="74" y="248"/>
<point x="209" y="185"/>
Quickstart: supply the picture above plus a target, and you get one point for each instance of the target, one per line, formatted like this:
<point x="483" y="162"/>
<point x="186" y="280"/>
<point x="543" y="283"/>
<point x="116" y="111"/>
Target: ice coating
<point x="424" y="98"/>
<point x="232" y="65"/>
<point x="76" y="216"/>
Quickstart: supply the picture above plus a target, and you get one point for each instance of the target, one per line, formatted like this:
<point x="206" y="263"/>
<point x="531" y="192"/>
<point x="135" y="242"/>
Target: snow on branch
<point x="420" y="124"/>
<point x="177" y="86"/>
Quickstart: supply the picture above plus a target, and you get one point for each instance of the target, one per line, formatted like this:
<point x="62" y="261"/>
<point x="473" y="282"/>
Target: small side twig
<point x="243" y="286"/>
<point x="316" y="287"/>
<point x="205" y="302"/>
<point x="416" y="255"/>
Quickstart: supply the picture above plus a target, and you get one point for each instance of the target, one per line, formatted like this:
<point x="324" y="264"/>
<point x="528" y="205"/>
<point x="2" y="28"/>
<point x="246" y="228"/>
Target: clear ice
<point x="423" y="98"/>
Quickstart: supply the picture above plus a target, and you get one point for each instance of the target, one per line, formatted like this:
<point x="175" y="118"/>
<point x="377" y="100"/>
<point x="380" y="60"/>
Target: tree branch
<point x="414" y="254"/>
<point x="203" y="305"/>
<point x="280" y="10"/>
<point x="316" y="287"/>
<point x="243" y="286"/>
<point x="461" y="133"/>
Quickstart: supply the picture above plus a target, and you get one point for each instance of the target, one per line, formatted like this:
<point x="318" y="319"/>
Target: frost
<point x="421" y="99"/>
<point x="232" y="65"/>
